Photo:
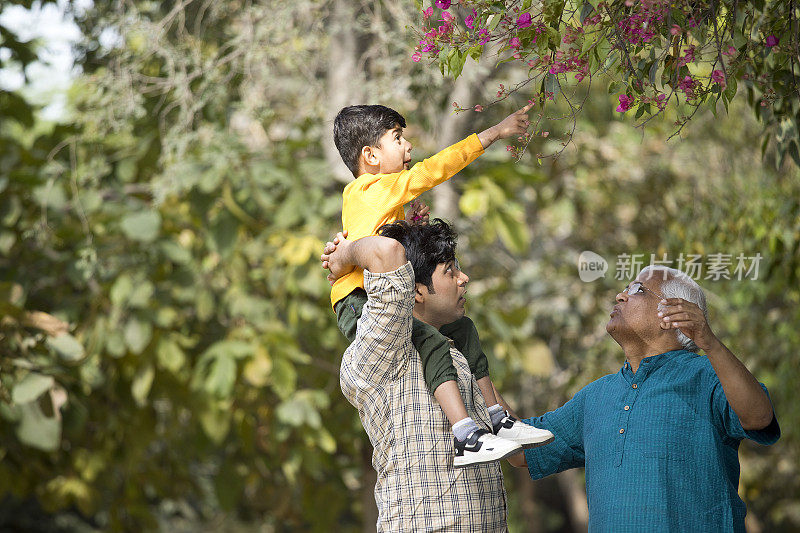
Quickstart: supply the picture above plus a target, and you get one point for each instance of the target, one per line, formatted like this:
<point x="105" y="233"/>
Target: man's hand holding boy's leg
<point x="376" y="254"/>
<point x="513" y="125"/>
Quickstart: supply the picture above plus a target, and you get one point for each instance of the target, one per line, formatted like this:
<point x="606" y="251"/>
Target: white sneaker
<point x="483" y="447"/>
<point x="523" y="434"/>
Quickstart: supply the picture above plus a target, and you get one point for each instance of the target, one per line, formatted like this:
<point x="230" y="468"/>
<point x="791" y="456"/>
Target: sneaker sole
<point x="530" y="445"/>
<point x="463" y="462"/>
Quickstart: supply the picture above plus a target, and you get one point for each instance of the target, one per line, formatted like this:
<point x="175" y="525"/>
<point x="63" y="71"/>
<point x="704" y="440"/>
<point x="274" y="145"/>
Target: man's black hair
<point x="357" y="126"/>
<point x="426" y="246"/>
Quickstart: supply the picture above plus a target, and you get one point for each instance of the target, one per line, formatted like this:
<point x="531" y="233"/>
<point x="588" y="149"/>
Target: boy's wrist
<point x="488" y="136"/>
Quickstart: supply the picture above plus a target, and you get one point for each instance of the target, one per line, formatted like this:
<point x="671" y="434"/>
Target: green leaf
<point x="143" y="226"/>
<point x="67" y="347"/>
<point x="224" y="232"/>
<point x="142" y="382"/>
<point x="586" y="10"/>
<point x="138" y="334"/>
<point x="730" y="90"/>
<point x="221" y="377"/>
<point x="31" y="387"/>
<point x="552" y="85"/>
<point x="475" y="52"/>
<point x="121" y="290"/>
<point x="215" y="419"/>
<point x="512" y="232"/>
<point x="170" y="355"/>
<point x="38" y="430"/>
<point x="142" y="294"/>
<point x="284" y="377"/>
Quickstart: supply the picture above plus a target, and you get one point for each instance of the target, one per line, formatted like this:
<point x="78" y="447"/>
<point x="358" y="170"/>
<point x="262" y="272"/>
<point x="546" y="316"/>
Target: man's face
<point x="393" y="151"/>
<point x="446" y="303"/>
<point x="635" y="315"/>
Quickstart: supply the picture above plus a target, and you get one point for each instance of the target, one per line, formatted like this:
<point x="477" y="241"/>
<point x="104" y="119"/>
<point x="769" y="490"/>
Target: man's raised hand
<point x="689" y="318"/>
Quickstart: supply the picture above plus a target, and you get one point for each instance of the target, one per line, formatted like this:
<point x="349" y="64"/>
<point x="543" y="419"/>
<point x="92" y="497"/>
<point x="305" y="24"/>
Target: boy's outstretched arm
<point x="513" y="125"/>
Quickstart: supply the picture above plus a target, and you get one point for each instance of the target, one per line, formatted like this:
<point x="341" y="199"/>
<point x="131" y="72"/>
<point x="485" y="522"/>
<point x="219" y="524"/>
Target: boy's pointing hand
<point x="513" y="125"/>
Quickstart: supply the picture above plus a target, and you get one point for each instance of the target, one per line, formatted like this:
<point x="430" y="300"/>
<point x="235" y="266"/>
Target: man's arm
<point x="748" y="400"/>
<point x="382" y="344"/>
<point x="376" y="254"/>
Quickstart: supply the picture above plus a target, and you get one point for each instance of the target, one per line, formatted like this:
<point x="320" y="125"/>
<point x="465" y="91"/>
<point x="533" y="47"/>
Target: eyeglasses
<point x="636" y="287"/>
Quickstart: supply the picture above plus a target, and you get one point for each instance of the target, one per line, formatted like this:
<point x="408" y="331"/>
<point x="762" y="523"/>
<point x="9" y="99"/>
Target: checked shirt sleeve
<point x="383" y="336"/>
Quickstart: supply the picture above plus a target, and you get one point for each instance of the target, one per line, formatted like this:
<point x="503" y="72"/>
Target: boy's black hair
<point x="357" y="126"/>
<point x="426" y="246"/>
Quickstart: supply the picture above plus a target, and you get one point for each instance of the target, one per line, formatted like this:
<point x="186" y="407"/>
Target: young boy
<point x="370" y="140"/>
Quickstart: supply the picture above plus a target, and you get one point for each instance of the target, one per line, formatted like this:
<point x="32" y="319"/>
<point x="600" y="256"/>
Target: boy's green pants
<point x="432" y="344"/>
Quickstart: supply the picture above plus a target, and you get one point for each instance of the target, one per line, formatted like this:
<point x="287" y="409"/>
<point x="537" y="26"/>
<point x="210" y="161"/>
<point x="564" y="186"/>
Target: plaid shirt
<point x="381" y="375"/>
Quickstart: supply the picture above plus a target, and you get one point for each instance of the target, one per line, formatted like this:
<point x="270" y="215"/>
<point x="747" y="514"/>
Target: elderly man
<point x="414" y="273"/>
<point x="660" y="438"/>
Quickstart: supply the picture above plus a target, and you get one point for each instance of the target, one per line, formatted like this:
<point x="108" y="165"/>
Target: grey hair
<point x="677" y="284"/>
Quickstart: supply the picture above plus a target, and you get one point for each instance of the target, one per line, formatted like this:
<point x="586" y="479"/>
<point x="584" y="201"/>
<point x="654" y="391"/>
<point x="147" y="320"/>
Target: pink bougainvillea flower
<point x="675" y="29"/>
<point x="415" y="57"/>
<point x="483" y="36"/>
<point x="428" y="13"/>
<point x="448" y="17"/>
<point x="514" y="42"/>
<point x="524" y="20"/>
<point x="469" y="22"/>
<point x="625" y="103"/>
<point x="730" y="51"/>
<point x="771" y="41"/>
<point x="688" y="85"/>
<point x="719" y="78"/>
<point x="478" y="108"/>
<point x="443" y="4"/>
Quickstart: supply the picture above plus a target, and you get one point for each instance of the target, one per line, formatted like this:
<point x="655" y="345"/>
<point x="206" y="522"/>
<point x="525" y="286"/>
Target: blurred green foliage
<point x="167" y="346"/>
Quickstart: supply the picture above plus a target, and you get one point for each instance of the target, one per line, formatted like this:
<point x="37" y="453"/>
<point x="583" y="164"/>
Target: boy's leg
<point x="465" y="336"/>
<point x="348" y="311"/>
<point x="438" y="370"/>
<point x="473" y="444"/>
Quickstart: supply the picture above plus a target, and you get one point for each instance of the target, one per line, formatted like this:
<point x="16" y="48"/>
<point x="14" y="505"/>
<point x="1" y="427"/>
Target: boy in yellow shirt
<point x="370" y="140"/>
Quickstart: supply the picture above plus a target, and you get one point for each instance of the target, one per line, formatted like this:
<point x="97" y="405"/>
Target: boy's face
<point x="393" y="152"/>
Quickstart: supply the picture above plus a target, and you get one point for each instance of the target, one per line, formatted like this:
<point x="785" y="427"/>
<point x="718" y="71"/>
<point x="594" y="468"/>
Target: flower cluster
<point x="661" y="51"/>
<point x="641" y="26"/>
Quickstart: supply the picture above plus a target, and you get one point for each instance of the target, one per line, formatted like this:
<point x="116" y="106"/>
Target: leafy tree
<point x="651" y="54"/>
<point x="169" y="355"/>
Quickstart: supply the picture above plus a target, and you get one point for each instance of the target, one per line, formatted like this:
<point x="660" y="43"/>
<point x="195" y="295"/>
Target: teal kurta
<point x="660" y="447"/>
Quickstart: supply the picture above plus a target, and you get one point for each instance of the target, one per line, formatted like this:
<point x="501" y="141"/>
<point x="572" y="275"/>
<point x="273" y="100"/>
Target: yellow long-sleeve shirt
<point x="372" y="200"/>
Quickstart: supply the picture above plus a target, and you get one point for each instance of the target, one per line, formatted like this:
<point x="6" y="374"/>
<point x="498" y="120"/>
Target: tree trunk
<point x="573" y="488"/>
<point x="344" y="81"/>
<point x="454" y="127"/>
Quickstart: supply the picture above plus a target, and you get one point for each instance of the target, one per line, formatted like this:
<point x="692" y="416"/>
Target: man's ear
<point x="420" y="292"/>
<point x="369" y="156"/>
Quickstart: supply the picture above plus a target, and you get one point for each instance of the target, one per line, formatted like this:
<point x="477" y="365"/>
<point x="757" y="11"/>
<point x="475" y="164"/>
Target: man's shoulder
<point x="400" y="280"/>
